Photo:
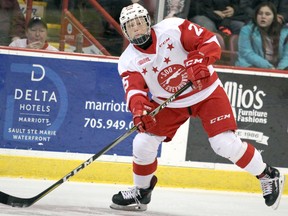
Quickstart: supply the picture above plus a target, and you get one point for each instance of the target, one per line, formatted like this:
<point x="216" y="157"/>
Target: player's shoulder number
<point x="197" y="30"/>
<point x="125" y="82"/>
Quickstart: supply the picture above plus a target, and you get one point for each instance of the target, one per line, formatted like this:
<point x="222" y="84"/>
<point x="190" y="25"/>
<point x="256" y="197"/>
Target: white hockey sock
<point x="142" y="181"/>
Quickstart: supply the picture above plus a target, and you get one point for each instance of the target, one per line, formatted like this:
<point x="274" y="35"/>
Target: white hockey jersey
<point x="160" y="69"/>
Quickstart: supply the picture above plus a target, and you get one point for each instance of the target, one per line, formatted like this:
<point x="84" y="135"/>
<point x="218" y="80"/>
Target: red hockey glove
<point x="196" y="68"/>
<point x="141" y="107"/>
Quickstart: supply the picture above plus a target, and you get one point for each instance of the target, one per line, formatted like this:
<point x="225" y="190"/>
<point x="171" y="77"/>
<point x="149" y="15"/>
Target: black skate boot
<point x="135" y="199"/>
<point x="272" y="183"/>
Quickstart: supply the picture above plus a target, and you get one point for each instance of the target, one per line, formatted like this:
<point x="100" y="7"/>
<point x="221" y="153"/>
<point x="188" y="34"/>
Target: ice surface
<point x="81" y="199"/>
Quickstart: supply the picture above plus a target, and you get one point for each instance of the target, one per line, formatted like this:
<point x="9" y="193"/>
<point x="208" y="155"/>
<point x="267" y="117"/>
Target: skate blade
<point x="281" y="185"/>
<point x="133" y="207"/>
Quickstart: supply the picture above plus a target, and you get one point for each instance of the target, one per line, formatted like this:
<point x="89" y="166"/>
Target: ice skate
<point x="272" y="183"/>
<point x="135" y="199"/>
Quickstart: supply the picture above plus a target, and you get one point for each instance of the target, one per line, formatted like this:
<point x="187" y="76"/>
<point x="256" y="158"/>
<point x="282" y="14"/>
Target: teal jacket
<point x="251" y="54"/>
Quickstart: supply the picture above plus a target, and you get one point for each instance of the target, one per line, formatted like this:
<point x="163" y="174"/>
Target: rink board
<point x="121" y="173"/>
<point x="73" y="104"/>
<point x="62" y="105"/>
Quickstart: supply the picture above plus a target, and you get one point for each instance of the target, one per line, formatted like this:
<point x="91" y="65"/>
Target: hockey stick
<point x="26" y="202"/>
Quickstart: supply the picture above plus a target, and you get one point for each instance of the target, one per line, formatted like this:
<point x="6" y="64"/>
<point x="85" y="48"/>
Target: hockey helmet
<point x="135" y="14"/>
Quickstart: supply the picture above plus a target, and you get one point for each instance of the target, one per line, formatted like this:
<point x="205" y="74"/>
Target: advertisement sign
<point x="76" y="104"/>
<point x="62" y="105"/>
<point x="260" y="105"/>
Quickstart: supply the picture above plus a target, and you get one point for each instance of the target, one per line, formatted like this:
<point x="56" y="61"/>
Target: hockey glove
<point x="140" y="110"/>
<point x="196" y="68"/>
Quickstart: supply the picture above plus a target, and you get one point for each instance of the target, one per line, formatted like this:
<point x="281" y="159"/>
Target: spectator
<point x="36" y="34"/>
<point x="12" y="22"/>
<point x="281" y="8"/>
<point x="263" y="43"/>
<point x="219" y="15"/>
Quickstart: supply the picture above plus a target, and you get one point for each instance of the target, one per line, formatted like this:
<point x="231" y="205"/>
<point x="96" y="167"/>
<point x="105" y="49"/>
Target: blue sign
<point x="62" y="105"/>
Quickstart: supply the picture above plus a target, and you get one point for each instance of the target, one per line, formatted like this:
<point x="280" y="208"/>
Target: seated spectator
<point x="281" y="7"/>
<point x="219" y="15"/>
<point x="12" y="22"/>
<point x="263" y="43"/>
<point x="36" y="34"/>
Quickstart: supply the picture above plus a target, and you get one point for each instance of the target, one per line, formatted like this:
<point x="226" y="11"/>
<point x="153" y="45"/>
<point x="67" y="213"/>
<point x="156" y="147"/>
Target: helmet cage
<point x="139" y="40"/>
<point x="133" y="13"/>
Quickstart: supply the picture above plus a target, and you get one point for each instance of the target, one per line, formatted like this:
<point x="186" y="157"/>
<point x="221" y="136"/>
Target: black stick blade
<point x="16" y="201"/>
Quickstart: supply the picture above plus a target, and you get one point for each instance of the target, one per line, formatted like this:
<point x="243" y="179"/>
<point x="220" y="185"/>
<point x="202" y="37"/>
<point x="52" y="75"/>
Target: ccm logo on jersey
<point x="220" y="118"/>
<point x="193" y="61"/>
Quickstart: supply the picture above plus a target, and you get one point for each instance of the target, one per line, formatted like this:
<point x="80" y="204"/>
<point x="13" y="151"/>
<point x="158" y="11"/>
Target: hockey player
<point x="160" y="60"/>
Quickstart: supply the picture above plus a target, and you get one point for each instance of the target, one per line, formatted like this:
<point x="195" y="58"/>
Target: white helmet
<point x="132" y="12"/>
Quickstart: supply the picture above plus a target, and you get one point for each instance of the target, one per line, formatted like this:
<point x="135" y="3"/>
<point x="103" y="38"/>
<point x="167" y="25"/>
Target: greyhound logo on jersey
<point x="172" y="78"/>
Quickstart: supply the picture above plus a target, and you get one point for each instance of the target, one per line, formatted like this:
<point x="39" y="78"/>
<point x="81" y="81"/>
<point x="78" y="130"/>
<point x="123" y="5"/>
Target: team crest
<point x="173" y="78"/>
